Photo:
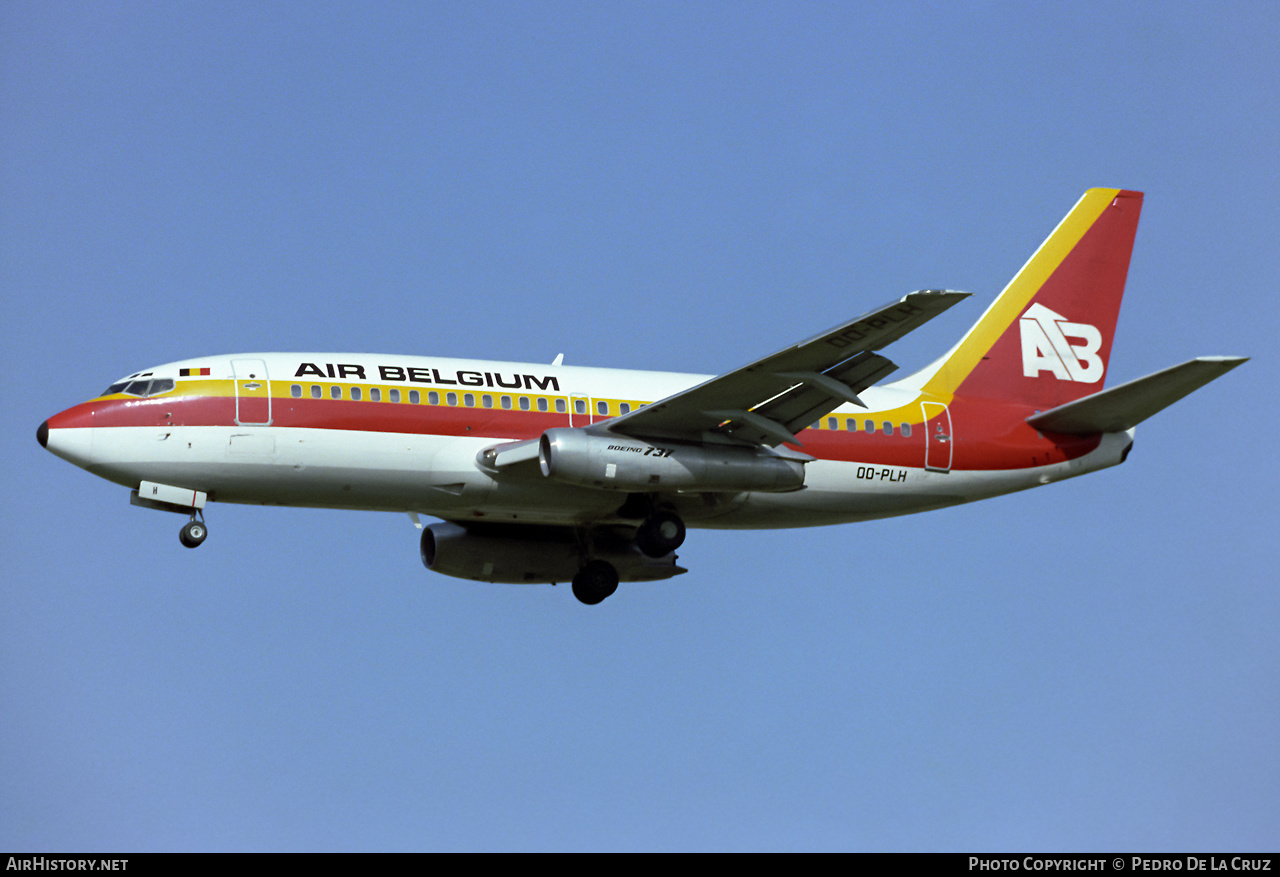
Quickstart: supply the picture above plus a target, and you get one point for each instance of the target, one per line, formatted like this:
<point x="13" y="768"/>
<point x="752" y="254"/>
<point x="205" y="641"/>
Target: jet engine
<point x="635" y="465"/>
<point x="527" y="554"/>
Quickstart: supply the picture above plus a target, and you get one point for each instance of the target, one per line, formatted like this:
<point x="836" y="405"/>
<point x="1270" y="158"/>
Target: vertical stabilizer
<point x="1046" y="340"/>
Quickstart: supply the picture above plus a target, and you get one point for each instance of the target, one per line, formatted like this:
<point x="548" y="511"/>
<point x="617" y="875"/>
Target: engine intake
<point x="635" y="465"/>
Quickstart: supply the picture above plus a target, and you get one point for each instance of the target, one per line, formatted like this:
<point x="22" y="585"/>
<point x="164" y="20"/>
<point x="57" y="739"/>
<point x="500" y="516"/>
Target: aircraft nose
<point x="63" y="436"/>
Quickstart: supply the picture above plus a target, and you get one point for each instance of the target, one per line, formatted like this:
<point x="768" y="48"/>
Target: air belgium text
<point x="411" y="374"/>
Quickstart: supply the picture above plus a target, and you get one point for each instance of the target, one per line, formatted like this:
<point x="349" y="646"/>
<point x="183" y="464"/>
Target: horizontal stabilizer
<point x="1127" y="405"/>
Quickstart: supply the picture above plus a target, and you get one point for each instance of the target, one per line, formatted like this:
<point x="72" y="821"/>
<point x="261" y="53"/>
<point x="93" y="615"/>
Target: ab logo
<point x="1045" y="347"/>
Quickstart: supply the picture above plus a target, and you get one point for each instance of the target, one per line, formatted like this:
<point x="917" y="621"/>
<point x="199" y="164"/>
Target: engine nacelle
<point x="521" y="554"/>
<point x="635" y="465"/>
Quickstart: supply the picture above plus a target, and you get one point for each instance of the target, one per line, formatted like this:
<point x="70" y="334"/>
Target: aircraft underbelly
<point x="399" y="472"/>
<point x="275" y="466"/>
<point x="438" y="476"/>
<point x="838" y="493"/>
<point x="842" y="493"/>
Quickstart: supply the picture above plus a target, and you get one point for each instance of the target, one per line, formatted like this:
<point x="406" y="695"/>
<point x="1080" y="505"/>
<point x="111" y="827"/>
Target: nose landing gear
<point x="193" y="532"/>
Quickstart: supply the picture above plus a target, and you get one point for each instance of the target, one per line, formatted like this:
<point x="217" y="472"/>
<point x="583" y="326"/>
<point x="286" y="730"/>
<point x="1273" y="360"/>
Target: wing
<point x="770" y="400"/>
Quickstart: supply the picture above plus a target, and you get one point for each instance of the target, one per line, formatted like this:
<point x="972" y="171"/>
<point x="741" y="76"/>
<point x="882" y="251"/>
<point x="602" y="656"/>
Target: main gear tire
<point x="595" y="581"/>
<point x="660" y="534"/>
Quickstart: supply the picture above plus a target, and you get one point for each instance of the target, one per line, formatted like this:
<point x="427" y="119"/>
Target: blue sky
<point x="1090" y="666"/>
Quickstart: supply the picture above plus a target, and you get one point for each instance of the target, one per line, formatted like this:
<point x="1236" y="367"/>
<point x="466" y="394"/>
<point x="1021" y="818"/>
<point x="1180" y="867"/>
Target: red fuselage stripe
<point x="986" y="435"/>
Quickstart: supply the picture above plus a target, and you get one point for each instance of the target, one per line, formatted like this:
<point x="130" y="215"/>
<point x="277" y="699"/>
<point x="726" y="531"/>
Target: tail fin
<point x="1046" y="339"/>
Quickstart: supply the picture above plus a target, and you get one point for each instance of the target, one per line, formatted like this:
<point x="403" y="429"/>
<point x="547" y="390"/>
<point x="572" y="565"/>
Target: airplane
<point x="552" y="473"/>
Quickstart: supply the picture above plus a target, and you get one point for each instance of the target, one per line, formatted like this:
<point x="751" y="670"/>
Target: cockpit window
<point x="142" y="388"/>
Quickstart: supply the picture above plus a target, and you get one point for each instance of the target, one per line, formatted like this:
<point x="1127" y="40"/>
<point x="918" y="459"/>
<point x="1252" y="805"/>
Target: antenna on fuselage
<point x="559" y="360"/>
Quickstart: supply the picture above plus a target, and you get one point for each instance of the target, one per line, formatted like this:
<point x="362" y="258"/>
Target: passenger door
<point x="938" y="437"/>
<point x="253" y="392"/>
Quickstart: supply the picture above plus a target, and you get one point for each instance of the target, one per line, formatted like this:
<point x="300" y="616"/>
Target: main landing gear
<point x="193" y="532"/>
<point x="660" y="534"/>
<point x="595" y="581"/>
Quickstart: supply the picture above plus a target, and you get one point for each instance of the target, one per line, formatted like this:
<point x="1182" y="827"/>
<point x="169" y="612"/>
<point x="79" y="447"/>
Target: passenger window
<point x="542" y="403"/>
<point x="869" y="426"/>
<point x="624" y="408"/>
<point x="316" y="392"/>
<point x="335" y="392"/>
<point x="295" y="391"/>
<point x="906" y="429"/>
<point x="414" y="397"/>
<point x="393" y="395"/>
<point x="355" y="394"/>
<point x="817" y="424"/>
<point x="486" y="400"/>
<point x="602" y="407"/>
<point x="433" y="398"/>
<point x="375" y="395"/>
<point x="506" y="401"/>
<point x="888" y="428"/>
<point x="469" y="400"/>
<point x="580" y="406"/>
<point x="560" y="407"/>
<point x="832" y="423"/>
<point x="851" y="424"/>
<point x="451" y="398"/>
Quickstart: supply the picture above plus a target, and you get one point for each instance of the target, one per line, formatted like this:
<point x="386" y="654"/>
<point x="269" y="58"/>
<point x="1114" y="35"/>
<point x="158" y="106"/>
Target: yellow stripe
<point x="1018" y="294"/>
<point x="282" y="390"/>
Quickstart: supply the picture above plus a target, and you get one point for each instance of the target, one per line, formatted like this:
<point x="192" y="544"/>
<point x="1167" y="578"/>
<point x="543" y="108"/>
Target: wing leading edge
<point x="770" y="400"/>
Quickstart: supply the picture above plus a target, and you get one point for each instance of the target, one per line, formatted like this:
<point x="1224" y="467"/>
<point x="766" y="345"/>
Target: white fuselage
<point x="429" y="465"/>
